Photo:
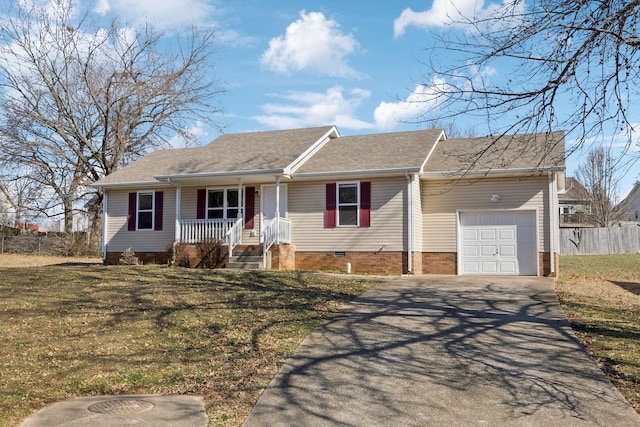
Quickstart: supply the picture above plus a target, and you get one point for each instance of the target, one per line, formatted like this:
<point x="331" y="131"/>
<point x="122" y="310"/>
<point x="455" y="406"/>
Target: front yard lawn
<point x="87" y="330"/>
<point x="600" y="296"/>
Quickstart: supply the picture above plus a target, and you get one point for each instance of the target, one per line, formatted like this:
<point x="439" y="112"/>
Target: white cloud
<point x="422" y="100"/>
<point x="303" y="109"/>
<point x="162" y="14"/>
<point x="102" y="7"/>
<point x="445" y="13"/>
<point x="312" y="43"/>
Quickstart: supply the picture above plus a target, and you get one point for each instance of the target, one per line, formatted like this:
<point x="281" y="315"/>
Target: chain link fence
<point x="55" y="245"/>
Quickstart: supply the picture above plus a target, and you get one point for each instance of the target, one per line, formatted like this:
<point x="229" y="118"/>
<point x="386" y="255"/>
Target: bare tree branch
<point x="569" y="65"/>
<point x="81" y="100"/>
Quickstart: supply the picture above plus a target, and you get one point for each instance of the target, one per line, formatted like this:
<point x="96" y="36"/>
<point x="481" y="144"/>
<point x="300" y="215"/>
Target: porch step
<point x="247" y="260"/>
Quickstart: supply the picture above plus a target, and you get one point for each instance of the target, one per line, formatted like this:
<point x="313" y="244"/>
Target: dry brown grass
<point x="601" y="298"/>
<point x="80" y="329"/>
<point x="21" y="260"/>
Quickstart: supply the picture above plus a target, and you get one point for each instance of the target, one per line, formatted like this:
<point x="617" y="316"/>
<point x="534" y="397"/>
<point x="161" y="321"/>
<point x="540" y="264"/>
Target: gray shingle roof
<point x="574" y="190"/>
<point x="527" y="151"/>
<point x="276" y="150"/>
<point x="396" y="150"/>
<point x="270" y="150"/>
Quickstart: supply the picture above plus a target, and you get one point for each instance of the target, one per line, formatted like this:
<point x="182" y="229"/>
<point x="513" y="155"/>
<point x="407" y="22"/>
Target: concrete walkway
<point x="444" y="351"/>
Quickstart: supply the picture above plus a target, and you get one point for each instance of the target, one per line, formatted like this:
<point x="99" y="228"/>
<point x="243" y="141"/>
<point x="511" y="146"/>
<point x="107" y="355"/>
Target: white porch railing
<point x="200" y="230"/>
<point x="234" y="235"/>
<point x="276" y="230"/>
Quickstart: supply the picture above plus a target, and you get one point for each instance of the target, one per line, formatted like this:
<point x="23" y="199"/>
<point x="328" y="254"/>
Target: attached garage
<point x="498" y="242"/>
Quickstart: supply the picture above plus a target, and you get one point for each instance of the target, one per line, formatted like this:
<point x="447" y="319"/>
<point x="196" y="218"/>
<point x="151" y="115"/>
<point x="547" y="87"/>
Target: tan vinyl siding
<point x="441" y="200"/>
<point x="119" y="238"/>
<point x="388" y="219"/>
<point x="418" y="222"/>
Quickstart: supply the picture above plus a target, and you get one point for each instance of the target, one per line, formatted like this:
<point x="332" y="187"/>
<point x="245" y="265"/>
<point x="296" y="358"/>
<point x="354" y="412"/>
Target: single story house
<point x="392" y="203"/>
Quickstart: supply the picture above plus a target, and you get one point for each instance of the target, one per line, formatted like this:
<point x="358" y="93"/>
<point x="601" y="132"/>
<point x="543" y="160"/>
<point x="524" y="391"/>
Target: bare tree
<point x="81" y="100"/>
<point x="598" y="176"/>
<point x="569" y="65"/>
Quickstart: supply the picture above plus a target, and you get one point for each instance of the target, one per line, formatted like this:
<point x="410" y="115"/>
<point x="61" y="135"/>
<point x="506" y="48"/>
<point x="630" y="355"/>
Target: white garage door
<point x="498" y="243"/>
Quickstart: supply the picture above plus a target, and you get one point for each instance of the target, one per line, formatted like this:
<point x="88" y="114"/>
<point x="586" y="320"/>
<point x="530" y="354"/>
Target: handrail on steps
<point x="234" y="236"/>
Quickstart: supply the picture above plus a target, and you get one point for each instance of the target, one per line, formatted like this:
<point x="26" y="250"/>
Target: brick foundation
<point x="545" y="264"/>
<point x="283" y="257"/>
<point x="417" y="264"/>
<point x="361" y="262"/>
<point x="440" y="263"/>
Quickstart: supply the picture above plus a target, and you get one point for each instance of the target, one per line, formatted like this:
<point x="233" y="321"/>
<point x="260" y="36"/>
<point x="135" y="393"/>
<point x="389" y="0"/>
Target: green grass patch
<point x="601" y="298"/>
<point x="91" y="330"/>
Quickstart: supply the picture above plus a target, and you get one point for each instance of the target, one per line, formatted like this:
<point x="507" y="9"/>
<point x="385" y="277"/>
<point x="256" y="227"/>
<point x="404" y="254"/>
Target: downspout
<point x="277" y="210"/>
<point x="409" y="222"/>
<point x="552" y="224"/>
<point x="105" y="209"/>
<point x="177" y="230"/>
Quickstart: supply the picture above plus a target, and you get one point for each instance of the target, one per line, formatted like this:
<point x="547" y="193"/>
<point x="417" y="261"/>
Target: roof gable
<point x="375" y="152"/>
<point x="268" y="151"/>
<point x="532" y="152"/>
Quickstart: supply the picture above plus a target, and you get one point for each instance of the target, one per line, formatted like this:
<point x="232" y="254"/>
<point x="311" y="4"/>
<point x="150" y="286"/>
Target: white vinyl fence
<point x="600" y="241"/>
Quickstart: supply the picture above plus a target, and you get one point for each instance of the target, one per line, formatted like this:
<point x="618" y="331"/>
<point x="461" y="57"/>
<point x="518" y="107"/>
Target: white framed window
<point x="145" y="211"/>
<point x="224" y="203"/>
<point x="348" y="204"/>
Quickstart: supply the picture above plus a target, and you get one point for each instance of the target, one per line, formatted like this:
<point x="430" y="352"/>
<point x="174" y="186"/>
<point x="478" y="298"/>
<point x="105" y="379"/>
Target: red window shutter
<point x="365" y="204"/>
<point x="159" y="200"/>
<point x="202" y="200"/>
<point x="249" y="207"/>
<point x="131" y="217"/>
<point x="330" y="212"/>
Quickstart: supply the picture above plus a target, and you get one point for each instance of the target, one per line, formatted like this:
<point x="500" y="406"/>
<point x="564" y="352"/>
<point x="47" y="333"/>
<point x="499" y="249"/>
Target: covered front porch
<point x="236" y="216"/>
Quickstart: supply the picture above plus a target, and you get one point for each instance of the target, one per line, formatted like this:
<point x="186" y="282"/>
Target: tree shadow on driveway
<point x="444" y="351"/>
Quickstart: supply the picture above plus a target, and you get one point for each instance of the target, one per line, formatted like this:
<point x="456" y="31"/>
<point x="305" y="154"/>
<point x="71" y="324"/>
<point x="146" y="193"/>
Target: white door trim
<point x="536" y="240"/>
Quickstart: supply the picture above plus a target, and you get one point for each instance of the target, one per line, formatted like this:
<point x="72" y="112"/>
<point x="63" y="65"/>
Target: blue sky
<point x="287" y="64"/>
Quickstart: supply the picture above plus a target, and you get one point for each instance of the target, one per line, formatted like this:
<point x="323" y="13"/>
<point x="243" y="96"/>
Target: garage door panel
<point x="498" y="243"/>
<point x="487" y="234"/>
<point x="508" y="267"/>
<point x="471" y="267"/>
<point x="507" y="250"/>
<point x="488" y="250"/>
<point x="506" y="234"/>
<point x="470" y="235"/>
<point x="489" y="267"/>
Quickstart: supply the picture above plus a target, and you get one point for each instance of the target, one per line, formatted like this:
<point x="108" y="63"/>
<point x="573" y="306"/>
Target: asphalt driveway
<point x="444" y="351"/>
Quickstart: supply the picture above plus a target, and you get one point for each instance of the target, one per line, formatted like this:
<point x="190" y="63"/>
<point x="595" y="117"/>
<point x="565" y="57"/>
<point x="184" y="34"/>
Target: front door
<point x="268" y="202"/>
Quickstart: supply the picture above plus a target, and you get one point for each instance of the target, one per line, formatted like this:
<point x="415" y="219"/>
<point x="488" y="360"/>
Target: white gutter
<point x="390" y="171"/>
<point x="105" y="206"/>
<point x="489" y="172"/>
<point x="552" y="224"/>
<point x="131" y="184"/>
<point x="301" y="159"/>
<point x="409" y="223"/>
<point x="219" y="174"/>
<point x="433" y="148"/>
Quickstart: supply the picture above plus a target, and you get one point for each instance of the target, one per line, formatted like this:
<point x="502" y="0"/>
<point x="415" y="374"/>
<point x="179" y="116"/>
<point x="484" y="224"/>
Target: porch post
<point x="177" y="233"/>
<point x="277" y="210"/>
<point x="240" y="199"/>
<point x="105" y="218"/>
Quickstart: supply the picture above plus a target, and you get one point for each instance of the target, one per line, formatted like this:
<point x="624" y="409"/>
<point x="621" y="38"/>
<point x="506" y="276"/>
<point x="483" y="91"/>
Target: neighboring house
<point x="394" y="203"/>
<point x="574" y="203"/>
<point x="631" y="204"/>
